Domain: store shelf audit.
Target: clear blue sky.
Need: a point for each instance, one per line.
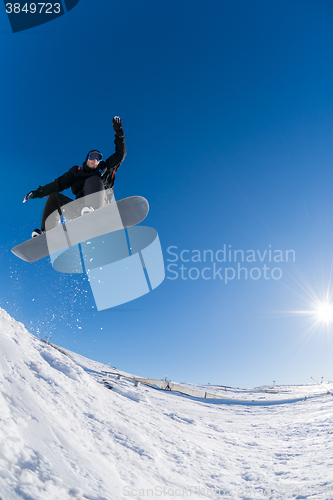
(227, 110)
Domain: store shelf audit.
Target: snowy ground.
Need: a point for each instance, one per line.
(65, 436)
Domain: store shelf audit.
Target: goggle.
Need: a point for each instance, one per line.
(94, 155)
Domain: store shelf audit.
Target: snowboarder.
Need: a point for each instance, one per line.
(93, 182)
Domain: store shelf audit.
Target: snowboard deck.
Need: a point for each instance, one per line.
(113, 217)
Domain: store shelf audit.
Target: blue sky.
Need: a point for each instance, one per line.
(227, 112)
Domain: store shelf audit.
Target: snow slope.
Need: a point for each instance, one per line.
(64, 435)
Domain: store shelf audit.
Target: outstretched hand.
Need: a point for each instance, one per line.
(37, 193)
(117, 125)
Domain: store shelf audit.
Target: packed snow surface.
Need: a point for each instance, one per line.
(65, 435)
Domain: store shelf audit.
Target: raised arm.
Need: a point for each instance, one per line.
(111, 164)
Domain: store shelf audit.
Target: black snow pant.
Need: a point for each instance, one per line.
(58, 204)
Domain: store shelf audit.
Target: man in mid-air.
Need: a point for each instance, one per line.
(92, 185)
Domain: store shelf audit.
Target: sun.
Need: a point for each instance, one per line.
(318, 314)
(317, 305)
(324, 312)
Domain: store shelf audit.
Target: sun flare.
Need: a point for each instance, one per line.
(324, 312)
(318, 314)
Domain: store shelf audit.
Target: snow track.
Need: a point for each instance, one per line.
(64, 435)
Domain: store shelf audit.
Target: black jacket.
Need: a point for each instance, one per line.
(77, 176)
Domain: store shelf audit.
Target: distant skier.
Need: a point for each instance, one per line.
(95, 177)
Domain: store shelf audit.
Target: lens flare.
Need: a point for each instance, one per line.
(318, 315)
(324, 312)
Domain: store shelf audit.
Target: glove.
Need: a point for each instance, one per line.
(38, 193)
(117, 125)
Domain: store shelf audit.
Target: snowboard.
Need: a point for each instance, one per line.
(113, 217)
